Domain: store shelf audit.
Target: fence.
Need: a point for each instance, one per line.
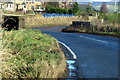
(56, 15)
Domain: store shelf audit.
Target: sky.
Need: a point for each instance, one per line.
(73, 0)
(97, 0)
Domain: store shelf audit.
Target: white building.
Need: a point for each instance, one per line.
(13, 5)
(9, 6)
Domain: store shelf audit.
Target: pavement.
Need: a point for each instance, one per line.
(97, 56)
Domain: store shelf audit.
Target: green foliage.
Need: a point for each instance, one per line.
(86, 10)
(112, 17)
(75, 8)
(51, 9)
(31, 50)
(101, 16)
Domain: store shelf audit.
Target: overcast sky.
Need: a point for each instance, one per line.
(70, 0)
(81, 0)
(97, 0)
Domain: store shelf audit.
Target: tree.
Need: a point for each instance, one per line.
(104, 8)
(75, 8)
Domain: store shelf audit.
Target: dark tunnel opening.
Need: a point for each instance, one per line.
(11, 23)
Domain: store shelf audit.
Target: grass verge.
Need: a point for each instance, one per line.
(102, 30)
(31, 54)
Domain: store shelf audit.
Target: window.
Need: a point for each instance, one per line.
(10, 5)
(24, 6)
(32, 7)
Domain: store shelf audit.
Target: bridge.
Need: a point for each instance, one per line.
(13, 21)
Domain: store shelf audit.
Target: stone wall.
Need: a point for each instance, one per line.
(82, 25)
(37, 20)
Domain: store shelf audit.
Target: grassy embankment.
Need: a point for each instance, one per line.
(108, 28)
(31, 54)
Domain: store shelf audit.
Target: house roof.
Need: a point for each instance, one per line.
(8, 3)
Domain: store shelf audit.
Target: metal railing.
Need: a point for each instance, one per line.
(57, 15)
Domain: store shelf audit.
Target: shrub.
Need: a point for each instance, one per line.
(111, 17)
(51, 9)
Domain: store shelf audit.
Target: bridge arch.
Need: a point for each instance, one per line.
(10, 23)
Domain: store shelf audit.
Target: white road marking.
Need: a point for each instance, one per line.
(73, 54)
(95, 39)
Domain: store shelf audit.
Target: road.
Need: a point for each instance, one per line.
(97, 56)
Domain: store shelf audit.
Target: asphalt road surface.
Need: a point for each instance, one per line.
(97, 56)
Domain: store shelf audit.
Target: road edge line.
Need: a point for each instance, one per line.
(73, 54)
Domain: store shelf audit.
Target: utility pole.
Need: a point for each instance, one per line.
(115, 9)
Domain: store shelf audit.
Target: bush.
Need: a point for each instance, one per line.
(51, 9)
(111, 17)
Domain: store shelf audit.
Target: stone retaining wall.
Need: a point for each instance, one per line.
(38, 20)
(32, 21)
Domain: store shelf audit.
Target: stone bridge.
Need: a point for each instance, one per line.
(13, 22)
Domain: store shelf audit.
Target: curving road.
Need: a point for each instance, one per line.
(97, 56)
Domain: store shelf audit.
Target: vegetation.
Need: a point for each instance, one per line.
(108, 17)
(111, 17)
(51, 9)
(108, 31)
(108, 27)
(86, 11)
(31, 54)
(104, 8)
(105, 28)
(75, 9)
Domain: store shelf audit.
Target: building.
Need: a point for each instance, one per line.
(9, 6)
(18, 5)
(66, 5)
(37, 5)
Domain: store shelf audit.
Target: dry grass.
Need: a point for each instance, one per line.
(38, 20)
(106, 28)
(39, 57)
